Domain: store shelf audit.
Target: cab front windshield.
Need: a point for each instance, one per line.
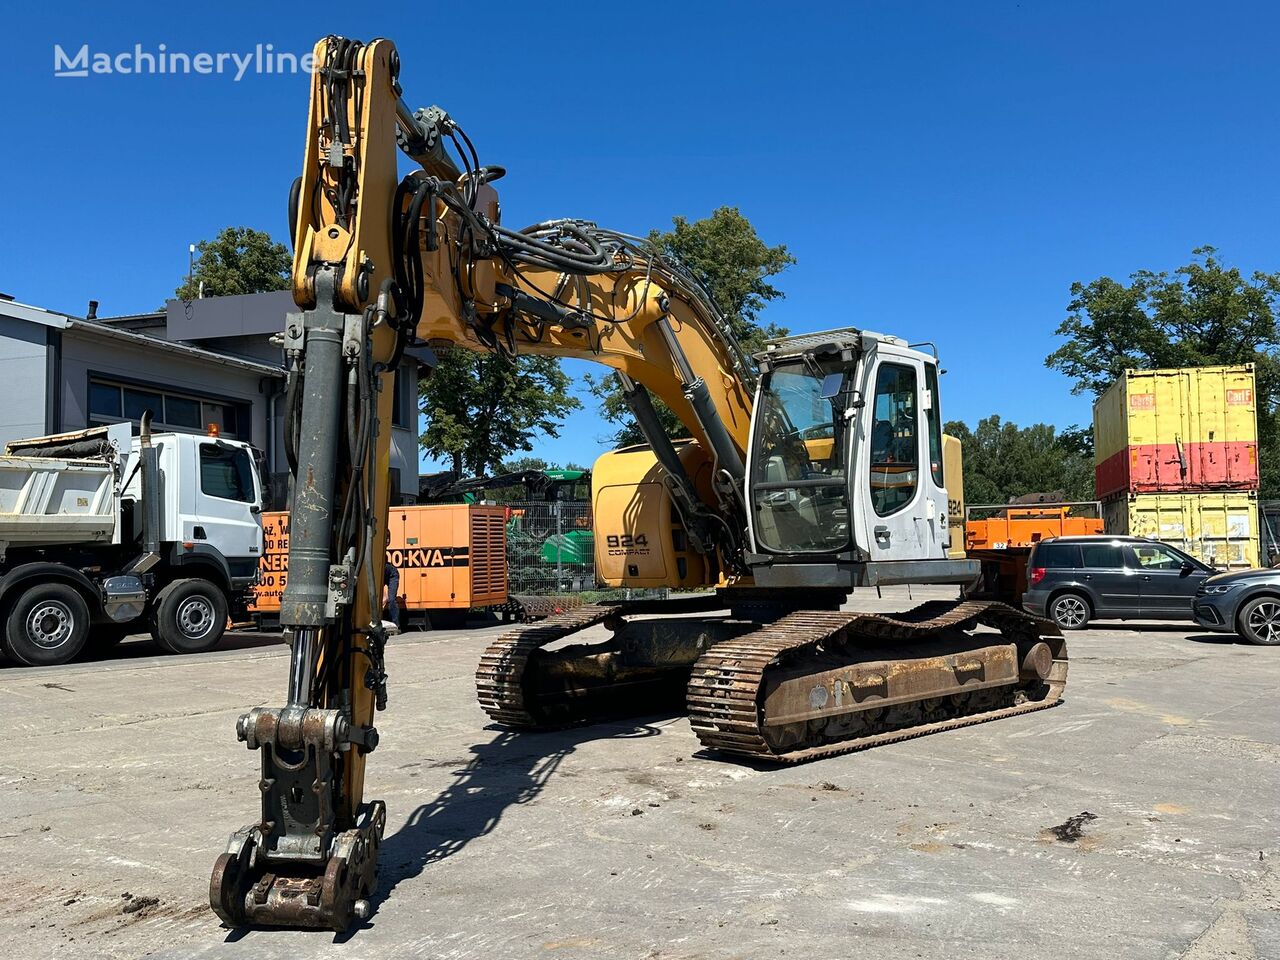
(800, 457)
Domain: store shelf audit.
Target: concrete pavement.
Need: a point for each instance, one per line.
(122, 779)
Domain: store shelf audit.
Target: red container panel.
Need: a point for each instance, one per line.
(1174, 468)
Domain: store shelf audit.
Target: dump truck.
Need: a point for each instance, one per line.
(103, 535)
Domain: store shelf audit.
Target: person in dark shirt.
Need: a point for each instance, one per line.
(391, 604)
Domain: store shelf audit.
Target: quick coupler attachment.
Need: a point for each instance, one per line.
(299, 867)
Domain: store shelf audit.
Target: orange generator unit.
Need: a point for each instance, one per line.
(452, 558)
(1004, 534)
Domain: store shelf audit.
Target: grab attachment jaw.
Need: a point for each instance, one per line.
(293, 868)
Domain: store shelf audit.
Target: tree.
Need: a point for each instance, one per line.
(537, 464)
(522, 465)
(1003, 460)
(1204, 313)
(482, 407)
(238, 260)
(727, 255)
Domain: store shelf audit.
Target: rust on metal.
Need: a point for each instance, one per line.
(500, 678)
(643, 666)
(248, 887)
(772, 693)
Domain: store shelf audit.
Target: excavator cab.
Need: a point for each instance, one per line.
(845, 475)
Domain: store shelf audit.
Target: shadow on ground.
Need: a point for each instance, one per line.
(1220, 639)
(510, 769)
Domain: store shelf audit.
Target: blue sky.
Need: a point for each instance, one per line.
(941, 171)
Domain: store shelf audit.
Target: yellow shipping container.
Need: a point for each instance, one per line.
(1218, 528)
(1193, 428)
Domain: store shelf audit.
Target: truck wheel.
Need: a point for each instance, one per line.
(47, 625)
(190, 616)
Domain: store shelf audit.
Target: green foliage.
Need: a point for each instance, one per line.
(1003, 460)
(1205, 313)
(482, 407)
(727, 255)
(613, 406)
(238, 260)
(521, 464)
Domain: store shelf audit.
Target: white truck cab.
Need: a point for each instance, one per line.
(103, 534)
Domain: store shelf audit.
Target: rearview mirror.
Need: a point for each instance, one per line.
(832, 384)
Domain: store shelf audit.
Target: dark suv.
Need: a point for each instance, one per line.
(1072, 580)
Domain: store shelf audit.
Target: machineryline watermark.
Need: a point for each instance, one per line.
(163, 62)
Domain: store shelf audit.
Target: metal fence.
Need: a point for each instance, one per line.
(550, 547)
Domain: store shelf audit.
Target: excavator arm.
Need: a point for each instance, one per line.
(385, 262)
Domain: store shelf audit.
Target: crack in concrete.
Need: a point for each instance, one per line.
(1228, 935)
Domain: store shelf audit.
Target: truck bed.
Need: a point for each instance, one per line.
(46, 501)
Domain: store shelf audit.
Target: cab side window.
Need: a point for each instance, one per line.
(935, 425)
(895, 439)
(226, 473)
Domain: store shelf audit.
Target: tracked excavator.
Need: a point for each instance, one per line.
(811, 468)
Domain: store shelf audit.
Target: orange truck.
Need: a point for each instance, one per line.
(1001, 537)
(451, 557)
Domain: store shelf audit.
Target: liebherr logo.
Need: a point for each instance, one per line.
(262, 59)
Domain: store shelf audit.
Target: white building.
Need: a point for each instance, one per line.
(193, 364)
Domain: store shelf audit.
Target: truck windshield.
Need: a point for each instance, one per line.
(226, 472)
(799, 487)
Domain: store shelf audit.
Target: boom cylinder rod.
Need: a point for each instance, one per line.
(305, 600)
(422, 142)
(302, 666)
(699, 397)
(404, 117)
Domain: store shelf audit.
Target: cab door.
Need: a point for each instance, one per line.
(228, 500)
(903, 502)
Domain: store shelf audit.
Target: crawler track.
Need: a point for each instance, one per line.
(732, 682)
(642, 668)
(504, 667)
